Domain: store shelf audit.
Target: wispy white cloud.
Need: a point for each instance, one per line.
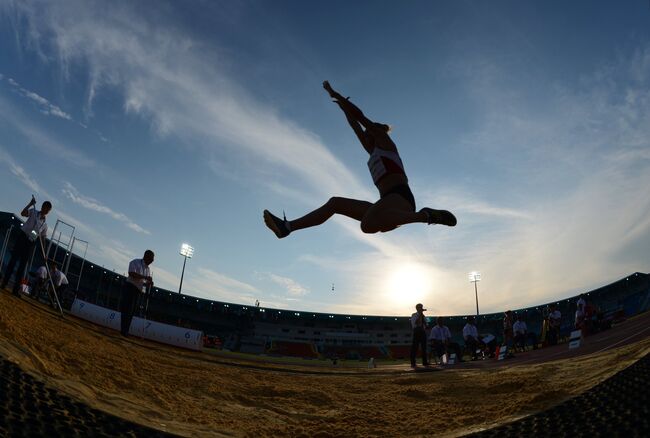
(167, 79)
(109, 252)
(44, 142)
(466, 203)
(291, 286)
(48, 108)
(19, 172)
(208, 283)
(73, 194)
(22, 174)
(45, 106)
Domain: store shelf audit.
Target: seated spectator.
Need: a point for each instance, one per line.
(581, 316)
(554, 322)
(579, 321)
(440, 338)
(39, 283)
(582, 303)
(470, 334)
(60, 281)
(520, 331)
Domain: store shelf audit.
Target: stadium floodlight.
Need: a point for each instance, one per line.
(475, 277)
(187, 252)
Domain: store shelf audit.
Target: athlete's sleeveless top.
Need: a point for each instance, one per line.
(383, 162)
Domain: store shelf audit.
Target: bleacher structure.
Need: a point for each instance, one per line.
(259, 330)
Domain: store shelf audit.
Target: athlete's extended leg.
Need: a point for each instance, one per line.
(442, 217)
(352, 208)
(393, 210)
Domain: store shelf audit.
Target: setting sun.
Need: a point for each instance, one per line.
(409, 283)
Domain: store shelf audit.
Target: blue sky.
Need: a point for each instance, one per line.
(149, 124)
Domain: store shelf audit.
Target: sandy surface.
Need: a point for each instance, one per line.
(199, 394)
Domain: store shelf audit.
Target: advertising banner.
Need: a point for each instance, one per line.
(151, 330)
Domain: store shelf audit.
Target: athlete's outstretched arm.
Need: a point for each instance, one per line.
(361, 134)
(351, 110)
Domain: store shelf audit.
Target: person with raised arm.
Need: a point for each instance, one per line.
(396, 204)
(33, 228)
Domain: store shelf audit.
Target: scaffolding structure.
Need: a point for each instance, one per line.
(83, 260)
(5, 243)
(63, 240)
(60, 251)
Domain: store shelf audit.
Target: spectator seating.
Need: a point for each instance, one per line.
(353, 352)
(252, 345)
(295, 349)
(399, 351)
(370, 351)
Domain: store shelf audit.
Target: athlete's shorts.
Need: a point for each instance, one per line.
(404, 191)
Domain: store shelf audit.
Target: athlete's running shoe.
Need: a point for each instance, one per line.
(443, 217)
(279, 226)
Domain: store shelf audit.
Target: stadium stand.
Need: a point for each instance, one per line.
(252, 345)
(295, 349)
(353, 352)
(399, 351)
(260, 330)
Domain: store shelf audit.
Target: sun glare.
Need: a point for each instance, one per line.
(409, 284)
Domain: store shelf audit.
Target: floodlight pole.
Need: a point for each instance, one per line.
(186, 251)
(475, 277)
(182, 274)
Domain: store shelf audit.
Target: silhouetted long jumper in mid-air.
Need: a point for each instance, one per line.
(396, 204)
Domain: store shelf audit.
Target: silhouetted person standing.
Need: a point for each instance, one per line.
(554, 322)
(419, 324)
(136, 284)
(470, 334)
(34, 227)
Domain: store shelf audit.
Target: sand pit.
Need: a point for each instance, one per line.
(199, 394)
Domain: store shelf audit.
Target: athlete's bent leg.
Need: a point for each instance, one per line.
(393, 210)
(352, 208)
(389, 213)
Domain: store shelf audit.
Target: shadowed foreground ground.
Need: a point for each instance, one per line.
(190, 393)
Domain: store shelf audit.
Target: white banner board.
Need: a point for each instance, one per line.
(449, 359)
(574, 340)
(151, 330)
